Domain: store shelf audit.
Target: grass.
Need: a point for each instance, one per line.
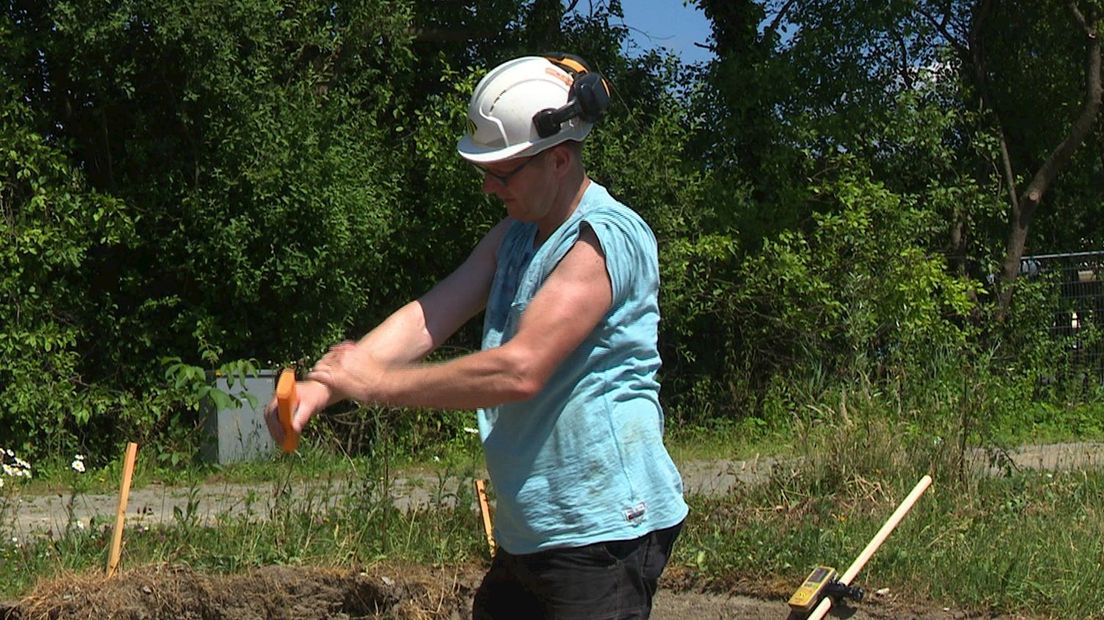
(317, 456)
(1031, 543)
(303, 525)
(1051, 423)
(736, 441)
(1025, 542)
(1018, 542)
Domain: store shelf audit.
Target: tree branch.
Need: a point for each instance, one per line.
(781, 15)
(452, 35)
(906, 75)
(940, 26)
(981, 76)
(1059, 157)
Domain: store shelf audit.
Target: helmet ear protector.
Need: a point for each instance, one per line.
(588, 98)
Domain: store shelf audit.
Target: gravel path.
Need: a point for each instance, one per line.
(156, 504)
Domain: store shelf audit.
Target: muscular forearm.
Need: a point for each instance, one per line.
(482, 379)
(401, 338)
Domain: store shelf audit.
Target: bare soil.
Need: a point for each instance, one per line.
(383, 591)
(390, 591)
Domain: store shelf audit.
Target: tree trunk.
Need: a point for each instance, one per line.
(1023, 210)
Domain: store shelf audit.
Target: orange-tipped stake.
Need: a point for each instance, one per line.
(287, 401)
(485, 511)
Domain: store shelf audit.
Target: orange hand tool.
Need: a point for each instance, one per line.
(287, 402)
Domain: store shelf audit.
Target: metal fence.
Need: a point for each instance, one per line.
(1077, 308)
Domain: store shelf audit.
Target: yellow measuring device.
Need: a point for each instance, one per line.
(812, 590)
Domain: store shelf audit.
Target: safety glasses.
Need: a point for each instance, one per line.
(505, 178)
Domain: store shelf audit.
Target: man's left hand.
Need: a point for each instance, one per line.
(349, 371)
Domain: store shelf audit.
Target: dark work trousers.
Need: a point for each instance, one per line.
(603, 581)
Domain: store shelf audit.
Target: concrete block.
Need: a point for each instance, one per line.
(238, 433)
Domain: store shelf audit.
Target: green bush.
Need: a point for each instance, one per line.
(52, 224)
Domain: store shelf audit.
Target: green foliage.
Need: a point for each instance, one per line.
(236, 195)
(254, 181)
(264, 190)
(447, 210)
(52, 224)
(1058, 363)
(859, 295)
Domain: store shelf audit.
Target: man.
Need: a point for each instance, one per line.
(588, 500)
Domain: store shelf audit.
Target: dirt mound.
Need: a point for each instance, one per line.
(407, 592)
(300, 593)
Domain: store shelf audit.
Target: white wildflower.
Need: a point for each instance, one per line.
(78, 466)
(473, 431)
(12, 466)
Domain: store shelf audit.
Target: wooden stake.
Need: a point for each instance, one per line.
(485, 510)
(120, 515)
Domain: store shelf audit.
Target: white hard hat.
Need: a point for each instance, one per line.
(507, 101)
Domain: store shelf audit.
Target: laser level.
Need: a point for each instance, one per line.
(820, 583)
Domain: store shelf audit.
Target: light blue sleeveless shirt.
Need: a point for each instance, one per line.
(583, 461)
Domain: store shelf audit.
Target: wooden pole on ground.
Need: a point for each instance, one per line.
(485, 511)
(120, 514)
(891, 524)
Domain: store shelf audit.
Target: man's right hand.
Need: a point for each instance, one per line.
(313, 398)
